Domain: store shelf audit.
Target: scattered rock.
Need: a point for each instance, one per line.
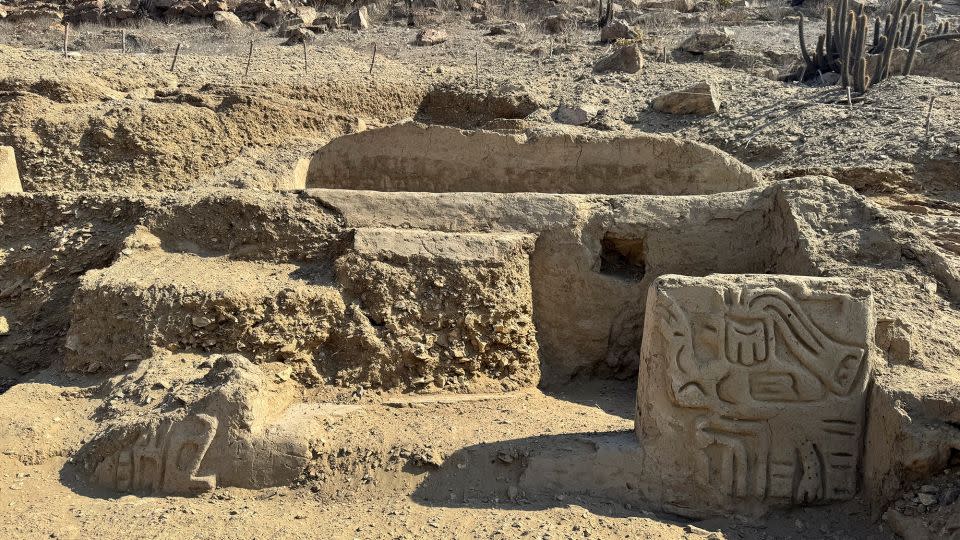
(227, 22)
(300, 35)
(359, 19)
(617, 30)
(683, 6)
(707, 40)
(468, 107)
(603, 121)
(556, 24)
(430, 36)
(508, 27)
(9, 176)
(86, 11)
(427, 458)
(574, 116)
(39, 16)
(626, 59)
(700, 99)
(4, 326)
(939, 59)
(893, 336)
(949, 496)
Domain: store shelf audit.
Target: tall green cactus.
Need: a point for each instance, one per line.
(842, 48)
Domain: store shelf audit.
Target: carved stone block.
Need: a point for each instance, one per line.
(751, 391)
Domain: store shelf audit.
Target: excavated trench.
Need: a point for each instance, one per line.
(418, 258)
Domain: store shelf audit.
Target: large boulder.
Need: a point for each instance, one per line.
(701, 99)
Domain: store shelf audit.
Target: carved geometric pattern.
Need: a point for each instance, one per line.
(752, 390)
(164, 458)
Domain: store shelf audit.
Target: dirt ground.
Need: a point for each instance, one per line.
(368, 494)
(433, 464)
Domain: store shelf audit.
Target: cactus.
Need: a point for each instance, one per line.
(913, 50)
(842, 47)
(605, 15)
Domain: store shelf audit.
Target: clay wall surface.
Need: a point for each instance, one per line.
(415, 157)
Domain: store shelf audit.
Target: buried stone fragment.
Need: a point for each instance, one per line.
(752, 391)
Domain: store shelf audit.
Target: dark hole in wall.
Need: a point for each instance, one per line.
(623, 257)
(954, 458)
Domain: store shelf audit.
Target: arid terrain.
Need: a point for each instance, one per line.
(546, 269)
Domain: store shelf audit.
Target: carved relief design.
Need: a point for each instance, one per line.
(164, 458)
(775, 402)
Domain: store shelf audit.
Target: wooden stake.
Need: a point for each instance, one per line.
(305, 57)
(929, 112)
(849, 99)
(123, 41)
(176, 54)
(374, 59)
(66, 37)
(477, 62)
(246, 70)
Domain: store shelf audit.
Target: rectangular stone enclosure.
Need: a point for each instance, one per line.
(751, 392)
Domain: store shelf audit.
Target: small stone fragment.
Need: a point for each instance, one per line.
(359, 19)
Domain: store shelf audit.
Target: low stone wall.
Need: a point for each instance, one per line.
(415, 157)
